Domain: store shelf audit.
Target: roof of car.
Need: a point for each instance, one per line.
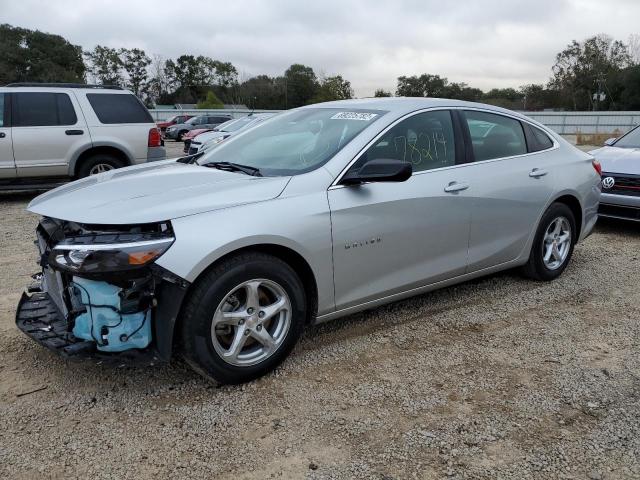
(403, 105)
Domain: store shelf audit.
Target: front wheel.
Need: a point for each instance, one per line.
(553, 244)
(243, 318)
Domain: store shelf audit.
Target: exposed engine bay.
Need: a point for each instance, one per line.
(98, 292)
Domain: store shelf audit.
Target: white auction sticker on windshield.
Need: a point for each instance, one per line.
(365, 117)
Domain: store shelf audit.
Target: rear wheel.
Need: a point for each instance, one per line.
(243, 318)
(98, 164)
(553, 244)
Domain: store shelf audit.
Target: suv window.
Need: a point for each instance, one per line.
(495, 136)
(2, 109)
(42, 109)
(118, 108)
(426, 140)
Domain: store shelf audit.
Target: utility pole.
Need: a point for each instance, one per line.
(599, 95)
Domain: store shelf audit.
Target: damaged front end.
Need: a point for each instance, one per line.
(100, 294)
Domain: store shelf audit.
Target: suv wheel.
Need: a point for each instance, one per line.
(553, 245)
(99, 164)
(243, 318)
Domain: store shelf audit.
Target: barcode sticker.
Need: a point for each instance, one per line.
(365, 117)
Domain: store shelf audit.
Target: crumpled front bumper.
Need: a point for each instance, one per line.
(39, 318)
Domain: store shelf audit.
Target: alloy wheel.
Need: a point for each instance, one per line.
(251, 322)
(556, 243)
(100, 168)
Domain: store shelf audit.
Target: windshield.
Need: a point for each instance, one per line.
(193, 121)
(294, 142)
(630, 140)
(235, 124)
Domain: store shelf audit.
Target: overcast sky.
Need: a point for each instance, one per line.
(488, 43)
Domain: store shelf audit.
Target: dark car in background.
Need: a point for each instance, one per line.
(620, 160)
(173, 121)
(177, 131)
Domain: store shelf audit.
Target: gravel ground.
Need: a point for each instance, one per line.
(496, 378)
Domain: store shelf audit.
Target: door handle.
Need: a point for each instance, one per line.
(456, 187)
(2, 134)
(537, 173)
(74, 132)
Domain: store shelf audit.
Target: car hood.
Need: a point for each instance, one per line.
(618, 160)
(205, 137)
(153, 192)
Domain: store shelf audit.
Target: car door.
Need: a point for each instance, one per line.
(45, 129)
(511, 186)
(392, 237)
(7, 163)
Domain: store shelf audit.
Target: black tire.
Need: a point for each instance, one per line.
(180, 135)
(89, 164)
(196, 342)
(536, 267)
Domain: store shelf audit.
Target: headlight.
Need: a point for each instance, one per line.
(171, 129)
(102, 255)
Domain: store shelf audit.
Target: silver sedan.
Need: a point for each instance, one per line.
(314, 214)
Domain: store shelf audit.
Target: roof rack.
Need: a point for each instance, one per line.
(64, 85)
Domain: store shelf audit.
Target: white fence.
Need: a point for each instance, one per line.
(572, 123)
(565, 123)
(159, 115)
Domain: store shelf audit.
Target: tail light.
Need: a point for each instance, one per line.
(155, 139)
(597, 166)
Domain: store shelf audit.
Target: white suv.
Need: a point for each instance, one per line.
(50, 132)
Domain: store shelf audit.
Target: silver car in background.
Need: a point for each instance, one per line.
(620, 160)
(320, 212)
(208, 140)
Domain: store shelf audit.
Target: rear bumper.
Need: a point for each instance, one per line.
(156, 153)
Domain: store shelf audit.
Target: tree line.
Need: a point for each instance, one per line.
(599, 73)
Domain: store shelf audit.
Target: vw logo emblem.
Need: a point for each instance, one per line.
(608, 183)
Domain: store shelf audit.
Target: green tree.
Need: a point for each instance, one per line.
(136, 63)
(301, 85)
(34, 56)
(582, 68)
(105, 65)
(425, 85)
(211, 101)
(333, 88)
(382, 93)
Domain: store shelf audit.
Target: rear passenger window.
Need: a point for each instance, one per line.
(537, 139)
(495, 136)
(426, 140)
(1, 109)
(118, 108)
(35, 109)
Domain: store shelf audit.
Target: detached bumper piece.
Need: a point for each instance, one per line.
(39, 318)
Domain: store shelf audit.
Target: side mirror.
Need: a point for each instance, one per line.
(610, 141)
(379, 170)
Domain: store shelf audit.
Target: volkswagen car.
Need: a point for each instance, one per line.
(620, 160)
(322, 211)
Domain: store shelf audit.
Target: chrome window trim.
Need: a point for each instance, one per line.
(336, 183)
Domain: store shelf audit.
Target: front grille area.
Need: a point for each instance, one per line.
(617, 211)
(624, 184)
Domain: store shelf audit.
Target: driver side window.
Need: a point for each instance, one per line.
(425, 140)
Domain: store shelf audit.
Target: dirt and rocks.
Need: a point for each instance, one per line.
(496, 378)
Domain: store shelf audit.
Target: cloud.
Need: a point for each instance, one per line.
(493, 43)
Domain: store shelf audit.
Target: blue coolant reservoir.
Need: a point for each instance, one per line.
(102, 321)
